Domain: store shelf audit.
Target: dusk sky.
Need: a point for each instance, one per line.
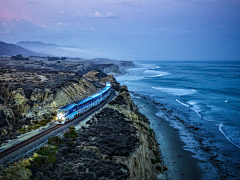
(128, 30)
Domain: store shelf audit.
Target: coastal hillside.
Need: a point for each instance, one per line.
(30, 99)
(99, 76)
(115, 143)
(12, 49)
(76, 65)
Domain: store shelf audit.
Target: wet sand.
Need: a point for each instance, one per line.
(181, 163)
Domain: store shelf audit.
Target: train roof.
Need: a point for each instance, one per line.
(67, 107)
(104, 90)
(95, 95)
(83, 100)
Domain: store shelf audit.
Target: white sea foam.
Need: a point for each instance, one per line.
(195, 107)
(157, 67)
(161, 74)
(182, 103)
(153, 73)
(160, 114)
(175, 91)
(232, 134)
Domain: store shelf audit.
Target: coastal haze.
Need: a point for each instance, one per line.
(130, 30)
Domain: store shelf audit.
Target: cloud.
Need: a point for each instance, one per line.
(77, 14)
(128, 5)
(58, 24)
(98, 15)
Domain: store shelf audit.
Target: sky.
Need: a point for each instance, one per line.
(128, 30)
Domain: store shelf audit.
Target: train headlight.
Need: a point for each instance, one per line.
(63, 118)
(56, 118)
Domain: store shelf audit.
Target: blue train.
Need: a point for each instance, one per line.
(71, 111)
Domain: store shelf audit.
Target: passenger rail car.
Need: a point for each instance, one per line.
(71, 111)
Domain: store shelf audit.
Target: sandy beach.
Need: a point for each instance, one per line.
(181, 164)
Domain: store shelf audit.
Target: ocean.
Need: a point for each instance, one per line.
(199, 99)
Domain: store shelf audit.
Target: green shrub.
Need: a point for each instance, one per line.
(70, 143)
(155, 153)
(158, 159)
(22, 130)
(51, 159)
(43, 123)
(153, 161)
(45, 155)
(71, 133)
(55, 140)
(17, 171)
(47, 151)
(160, 168)
(36, 126)
(151, 132)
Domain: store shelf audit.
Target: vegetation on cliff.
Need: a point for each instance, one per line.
(30, 99)
(116, 143)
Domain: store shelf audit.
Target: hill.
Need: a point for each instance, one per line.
(12, 49)
(52, 49)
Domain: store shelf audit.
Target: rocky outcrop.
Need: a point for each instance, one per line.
(143, 161)
(28, 98)
(106, 68)
(99, 76)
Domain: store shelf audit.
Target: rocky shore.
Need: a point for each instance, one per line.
(116, 143)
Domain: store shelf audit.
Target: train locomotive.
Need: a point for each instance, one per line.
(71, 111)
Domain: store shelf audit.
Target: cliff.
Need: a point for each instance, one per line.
(115, 143)
(99, 76)
(30, 99)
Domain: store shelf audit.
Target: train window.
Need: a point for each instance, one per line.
(61, 112)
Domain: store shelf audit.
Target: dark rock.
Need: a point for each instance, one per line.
(1, 100)
(3, 121)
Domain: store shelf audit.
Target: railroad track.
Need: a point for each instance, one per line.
(16, 148)
(28, 141)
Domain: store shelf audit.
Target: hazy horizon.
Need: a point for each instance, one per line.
(189, 30)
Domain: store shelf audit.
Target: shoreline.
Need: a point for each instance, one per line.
(215, 156)
(180, 162)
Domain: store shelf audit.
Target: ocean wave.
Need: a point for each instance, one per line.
(153, 73)
(195, 107)
(231, 133)
(159, 75)
(175, 91)
(182, 103)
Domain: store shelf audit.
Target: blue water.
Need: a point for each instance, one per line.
(201, 99)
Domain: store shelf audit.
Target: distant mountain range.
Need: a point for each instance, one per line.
(12, 49)
(37, 48)
(52, 49)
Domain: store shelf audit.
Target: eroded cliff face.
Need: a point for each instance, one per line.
(142, 161)
(28, 98)
(99, 76)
